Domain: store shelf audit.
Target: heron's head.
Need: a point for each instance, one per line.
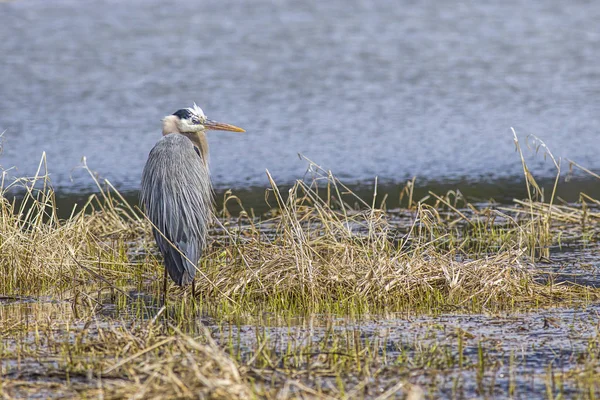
(192, 120)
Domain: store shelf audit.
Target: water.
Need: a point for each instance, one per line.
(363, 88)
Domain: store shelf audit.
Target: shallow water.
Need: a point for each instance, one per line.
(536, 340)
(363, 88)
(518, 348)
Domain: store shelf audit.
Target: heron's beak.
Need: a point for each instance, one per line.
(219, 126)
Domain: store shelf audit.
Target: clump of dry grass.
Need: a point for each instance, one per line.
(90, 357)
(41, 254)
(167, 366)
(323, 252)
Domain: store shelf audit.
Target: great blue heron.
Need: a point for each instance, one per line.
(176, 191)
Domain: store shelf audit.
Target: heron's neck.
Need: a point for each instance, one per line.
(199, 140)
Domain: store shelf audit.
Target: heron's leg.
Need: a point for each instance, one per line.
(165, 288)
(194, 288)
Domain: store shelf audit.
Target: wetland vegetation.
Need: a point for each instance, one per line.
(327, 295)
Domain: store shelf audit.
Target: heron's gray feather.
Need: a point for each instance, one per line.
(177, 195)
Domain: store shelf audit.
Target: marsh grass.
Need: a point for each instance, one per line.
(41, 255)
(321, 249)
(135, 358)
(315, 252)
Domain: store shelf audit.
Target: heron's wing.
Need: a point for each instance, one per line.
(177, 196)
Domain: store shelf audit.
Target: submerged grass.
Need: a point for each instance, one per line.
(321, 249)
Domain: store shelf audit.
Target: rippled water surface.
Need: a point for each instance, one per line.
(393, 89)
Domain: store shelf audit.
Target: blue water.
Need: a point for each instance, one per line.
(388, 89)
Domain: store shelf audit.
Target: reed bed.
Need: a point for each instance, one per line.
(313, 252)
